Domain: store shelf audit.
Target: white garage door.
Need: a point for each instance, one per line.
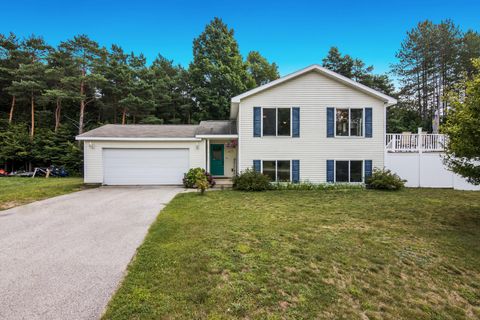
(144, 166)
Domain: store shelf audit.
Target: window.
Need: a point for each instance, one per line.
(283, 122)
(270, 170)
(276, 121)
(349, 122)
(269, 121)
(278, 170)
(349, 171)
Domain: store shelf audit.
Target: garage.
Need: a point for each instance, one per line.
(153, 166)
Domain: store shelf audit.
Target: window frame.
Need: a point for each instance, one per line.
(349, 173)
(276, 124)
(349, 122)
(276, 169)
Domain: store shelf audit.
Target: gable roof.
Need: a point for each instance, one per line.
(328, 73)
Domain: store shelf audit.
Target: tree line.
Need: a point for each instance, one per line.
(49, 94)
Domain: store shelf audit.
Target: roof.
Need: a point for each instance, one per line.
(217, 127)
(135, 131)
(161, 132)
(333, 75)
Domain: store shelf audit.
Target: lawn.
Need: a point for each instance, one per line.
(16, 191)
(355, 254)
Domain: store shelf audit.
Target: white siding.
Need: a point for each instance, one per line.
(313, 93)
(93, 155)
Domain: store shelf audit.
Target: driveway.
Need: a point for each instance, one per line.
(64, 257)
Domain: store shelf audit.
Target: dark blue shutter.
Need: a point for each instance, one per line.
(330, 122)
(368, 122)
(368, 169)
(256, 165)
(330, 171)
(257, 121)
(295, 171)
(295, 122)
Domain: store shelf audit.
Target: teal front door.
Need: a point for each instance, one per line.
(216, 159)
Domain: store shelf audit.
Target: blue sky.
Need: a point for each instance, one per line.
(294, 34)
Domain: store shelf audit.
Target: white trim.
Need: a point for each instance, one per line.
(349, 121)
(315, 67)
(79, 138)
(218, 136)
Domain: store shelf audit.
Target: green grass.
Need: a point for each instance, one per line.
(15, 191)
(352, 254)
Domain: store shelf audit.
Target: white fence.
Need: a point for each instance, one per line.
(418, 158)
(407, 142)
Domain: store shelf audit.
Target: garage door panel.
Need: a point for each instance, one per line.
(144, 166)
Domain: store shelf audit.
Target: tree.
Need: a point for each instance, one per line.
(428, 67)
(260, 69)
(463, 128)
(470, 49)
(217, 72)
(30, 76)
(11, 56)
(356, 70)
(60, 69)
(87, 57)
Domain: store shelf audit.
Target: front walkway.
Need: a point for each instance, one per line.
(63, 258)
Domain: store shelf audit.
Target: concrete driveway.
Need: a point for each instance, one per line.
(64, 257)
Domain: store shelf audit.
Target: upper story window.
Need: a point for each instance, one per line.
(349, 122)
(276, 121)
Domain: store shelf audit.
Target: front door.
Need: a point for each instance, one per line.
(216, 159)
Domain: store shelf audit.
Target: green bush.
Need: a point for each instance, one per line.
(251, 180)
(384, 180)
(306, 185)
(190, 178)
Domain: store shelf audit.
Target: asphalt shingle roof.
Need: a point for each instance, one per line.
(214, 127)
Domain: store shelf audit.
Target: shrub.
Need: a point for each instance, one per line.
(251, 180)
(201, 182)
(190, 178)
(384, 180)
(306, 185)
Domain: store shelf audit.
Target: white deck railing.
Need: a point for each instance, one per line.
(406, 142)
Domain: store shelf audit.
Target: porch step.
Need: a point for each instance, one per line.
(223, 183)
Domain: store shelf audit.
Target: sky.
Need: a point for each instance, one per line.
(294, 33)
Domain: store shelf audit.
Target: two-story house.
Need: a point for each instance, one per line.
(312, 125)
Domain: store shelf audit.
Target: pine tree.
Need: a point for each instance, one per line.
(217, 72)
(87, 57)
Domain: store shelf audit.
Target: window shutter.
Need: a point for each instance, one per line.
(256, 165)
(330, 122)
(330, 171)
(295, 171)
(368, 122)
(295, 122)
(368, 169)
(257, 121)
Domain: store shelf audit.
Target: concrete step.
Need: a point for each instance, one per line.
(223, 183)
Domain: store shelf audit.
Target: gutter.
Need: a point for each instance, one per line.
(80, 138)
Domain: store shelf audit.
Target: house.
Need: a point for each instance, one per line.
(313, 125)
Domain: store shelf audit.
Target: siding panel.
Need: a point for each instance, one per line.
(313, 93)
